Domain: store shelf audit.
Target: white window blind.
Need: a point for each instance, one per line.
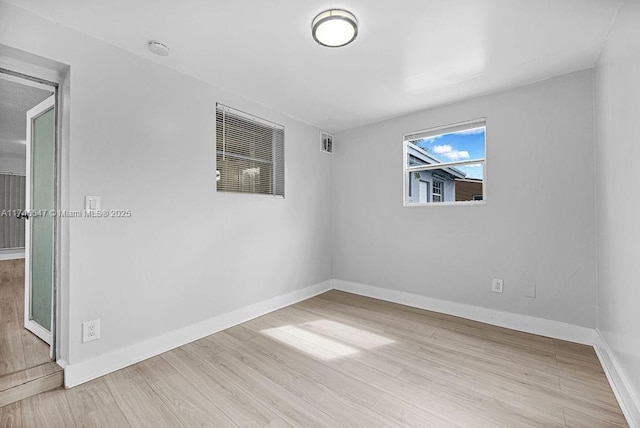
(249, 153)
(12, 200)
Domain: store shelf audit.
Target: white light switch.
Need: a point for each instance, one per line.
(91, 203)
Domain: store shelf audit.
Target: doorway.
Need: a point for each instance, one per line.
(28, 203)
(423, 191)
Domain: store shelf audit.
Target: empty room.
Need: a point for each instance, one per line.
(308, 213)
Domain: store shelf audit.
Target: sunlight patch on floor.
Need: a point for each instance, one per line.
(328, 340)
(310, 343)
(347, 334)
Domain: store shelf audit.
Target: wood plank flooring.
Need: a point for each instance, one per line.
(30, 382)
(19, 348)
(342, 360)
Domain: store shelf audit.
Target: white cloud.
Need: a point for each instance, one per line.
(431, 140)
(446, 148)
(455, 155)
(447, 151)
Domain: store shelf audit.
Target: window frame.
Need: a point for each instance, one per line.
(429, 190)
(435, 131)
(277, 162)
(440, 194)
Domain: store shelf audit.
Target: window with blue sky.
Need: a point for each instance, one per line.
(449, 159)
(458, 146)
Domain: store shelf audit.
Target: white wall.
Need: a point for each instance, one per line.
(143, 138)
(537, 226)
(13, 163)
(17, 165)
(618, 189)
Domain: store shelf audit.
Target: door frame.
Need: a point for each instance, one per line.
(29, 324)
(427, 184)
(37, 71)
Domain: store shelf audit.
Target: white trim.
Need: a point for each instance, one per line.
(22, 62)
(443, 204)
(78, 373)
(451, 128)
(442, 165)
(39, 331)
(248, 116)
(26, 82)
(620, 383)
(11, 254)
(84, 371)
(405, 177)
(49, 71)
(35, 112)
(524, 323)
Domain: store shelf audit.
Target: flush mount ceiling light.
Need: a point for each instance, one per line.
(158, 48)
(334, 28)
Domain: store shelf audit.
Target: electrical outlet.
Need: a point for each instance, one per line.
(90, 330)
(497, 285)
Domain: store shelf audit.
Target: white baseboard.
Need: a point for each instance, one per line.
(525, 323)
(11, 254)
(75, 374)
(629, 402)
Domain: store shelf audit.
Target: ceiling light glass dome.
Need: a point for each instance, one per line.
(334, 28)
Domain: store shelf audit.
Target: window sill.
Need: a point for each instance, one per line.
(445, 204)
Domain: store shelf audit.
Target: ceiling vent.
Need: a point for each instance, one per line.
(327, 142)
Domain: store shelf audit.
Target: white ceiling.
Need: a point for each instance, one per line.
(409, 54)
(15, 100)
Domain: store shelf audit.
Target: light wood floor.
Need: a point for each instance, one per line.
(19, 348)
(343, 360)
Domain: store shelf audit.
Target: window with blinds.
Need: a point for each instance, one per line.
(12, 201)
(452, 158)
(249, 153)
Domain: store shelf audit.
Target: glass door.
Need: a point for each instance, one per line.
(40, 217)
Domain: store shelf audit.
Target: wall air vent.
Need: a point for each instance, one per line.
(327, 142)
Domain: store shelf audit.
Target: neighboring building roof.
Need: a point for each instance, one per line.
(421, 154)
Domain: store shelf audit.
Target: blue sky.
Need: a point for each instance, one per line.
(459, 146)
